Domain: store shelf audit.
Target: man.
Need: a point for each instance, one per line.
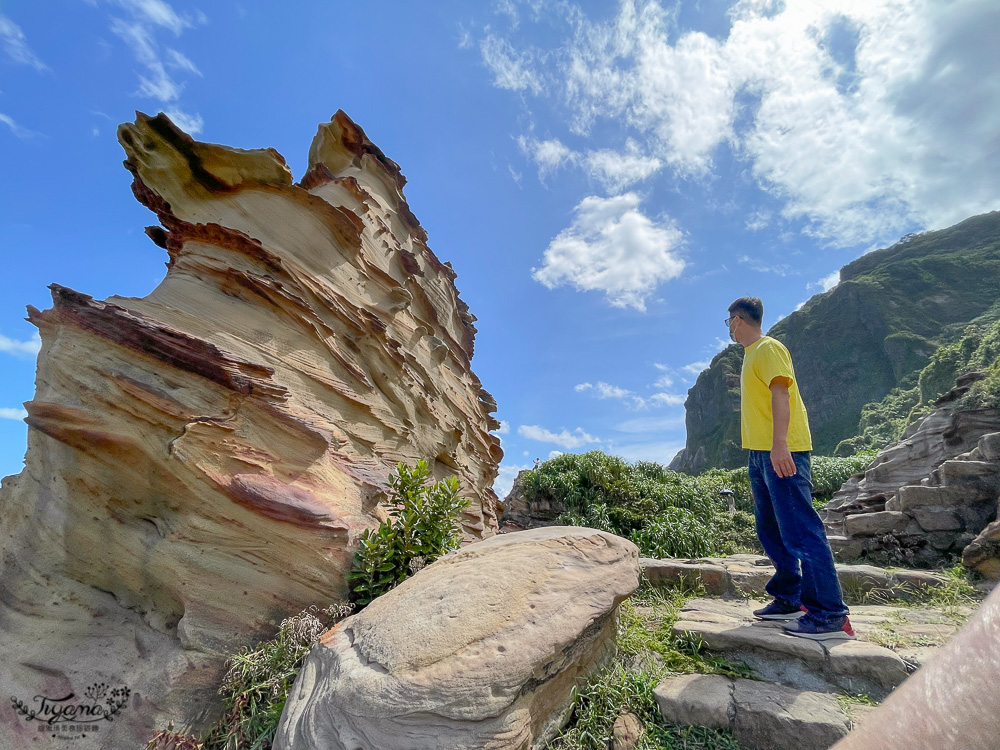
(775, 429)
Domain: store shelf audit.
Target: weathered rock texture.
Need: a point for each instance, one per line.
(479, 650)
(201, 460)
(926, 498)
(520, 512)
(761, 715)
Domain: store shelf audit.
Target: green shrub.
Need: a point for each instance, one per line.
(665, 513)
(422, 526)
(830, 472)
(676, 532)
(256, 686)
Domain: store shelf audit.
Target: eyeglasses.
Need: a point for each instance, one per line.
(730, 320)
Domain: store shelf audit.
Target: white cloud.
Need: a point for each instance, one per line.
(161, 67)
(504, 428)
(15, 128)
(779, 269)
(613, 247)
(6, 413)
(603, 390)
(664, 381)
(15, 44)
(27, 349)
(191, 124)
(825, 284)
(565, 439)
(555, 454)
(505, 478)
(157, 13)
(464, 38)
(666, 399)
(511, 69)
(696, 367)
(862, 118)
(614, 170)
(758, 220)
(181, 62)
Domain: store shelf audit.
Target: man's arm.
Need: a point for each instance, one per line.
(781, 412)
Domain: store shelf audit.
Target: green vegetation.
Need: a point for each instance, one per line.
(665, 513)
(422, 526)
(884, 422)
(256, 686)
(627, 686)
(861, 349)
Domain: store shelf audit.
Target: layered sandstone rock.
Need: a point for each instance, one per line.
(479, 650)
(925, 498)
(200, 461)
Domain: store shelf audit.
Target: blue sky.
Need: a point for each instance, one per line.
(605, 178)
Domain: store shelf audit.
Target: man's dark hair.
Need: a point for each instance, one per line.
(751, 309)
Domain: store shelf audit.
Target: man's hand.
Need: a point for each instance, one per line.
(782, 461)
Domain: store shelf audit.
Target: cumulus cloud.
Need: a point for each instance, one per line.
(861, 118)
(7, 413)
(25, 349)
(504, 428)
(564, 439)
(14, 43)
(612, 247)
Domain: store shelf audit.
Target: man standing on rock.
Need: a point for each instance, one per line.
(775, 429)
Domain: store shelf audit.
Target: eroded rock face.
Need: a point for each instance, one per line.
(479, 650)
(200, 461)
(924, 499)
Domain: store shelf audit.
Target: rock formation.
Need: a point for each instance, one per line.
(925, 498)
(201, 461)
(479, 650)
(519, 512)
(851, 345)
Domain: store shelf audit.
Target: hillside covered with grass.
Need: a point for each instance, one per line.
(865, 344)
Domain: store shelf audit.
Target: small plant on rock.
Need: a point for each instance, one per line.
(256, 686)
(422, 526)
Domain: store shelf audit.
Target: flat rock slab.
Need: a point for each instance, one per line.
(478, 651)
(761, 715)
(728, 628)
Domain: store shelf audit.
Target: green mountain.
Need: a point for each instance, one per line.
(866, 339)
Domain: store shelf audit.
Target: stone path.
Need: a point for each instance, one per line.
(746, 575)
(793, 703)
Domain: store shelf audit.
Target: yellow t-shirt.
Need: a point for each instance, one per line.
(763, 361)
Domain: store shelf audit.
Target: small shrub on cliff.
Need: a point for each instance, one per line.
(422, 526)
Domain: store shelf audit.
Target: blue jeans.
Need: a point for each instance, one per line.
(793, 536)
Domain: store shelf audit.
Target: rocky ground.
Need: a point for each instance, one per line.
(801, 694)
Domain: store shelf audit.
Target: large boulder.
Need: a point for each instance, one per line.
(479, 650)
(202, 460)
